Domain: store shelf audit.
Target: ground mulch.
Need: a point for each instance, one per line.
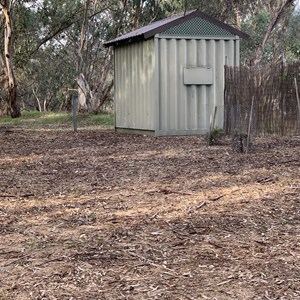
(98, 215)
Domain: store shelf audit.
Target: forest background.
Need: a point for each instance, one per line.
(51, 49)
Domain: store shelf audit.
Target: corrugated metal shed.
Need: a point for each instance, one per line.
(169, 75)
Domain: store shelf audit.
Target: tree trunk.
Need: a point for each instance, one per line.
(37, 99)
(86, 97)
(13, 107)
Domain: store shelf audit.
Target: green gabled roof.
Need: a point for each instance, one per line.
(194, 23)
(198, 27)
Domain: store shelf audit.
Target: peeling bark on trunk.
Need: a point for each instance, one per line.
(92, 90)
(86, 98)
(84, 93)
(105, 95)
(13, 107)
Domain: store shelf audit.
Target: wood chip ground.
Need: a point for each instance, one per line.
(96, 215)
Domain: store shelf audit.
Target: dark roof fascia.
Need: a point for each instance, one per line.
(175, 22)
(128, 41)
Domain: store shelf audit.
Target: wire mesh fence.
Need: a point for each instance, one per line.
(262, 100)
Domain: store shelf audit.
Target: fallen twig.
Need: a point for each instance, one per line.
(170, 274)
(198, 206)
(217, 198)
(7, 196)
(265, 180)
(144, 259)
(15, 196)
(27, 195)
(225, 282)
(165, 191)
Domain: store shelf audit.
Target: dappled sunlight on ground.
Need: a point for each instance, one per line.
(95, 215)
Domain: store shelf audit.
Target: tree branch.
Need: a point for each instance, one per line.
(275, 18)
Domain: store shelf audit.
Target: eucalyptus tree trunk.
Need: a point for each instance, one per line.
(93, 89)
(8, 46)
(86, 97)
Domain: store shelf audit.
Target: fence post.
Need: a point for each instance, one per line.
(74, 108)
(212, 124)
(249, 126)
(298, 102)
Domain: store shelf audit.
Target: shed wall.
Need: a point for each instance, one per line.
(134, 86)
(186, 109)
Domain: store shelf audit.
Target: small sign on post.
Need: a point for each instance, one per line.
(74, 108)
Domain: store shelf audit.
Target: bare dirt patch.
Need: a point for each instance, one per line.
(95, 215)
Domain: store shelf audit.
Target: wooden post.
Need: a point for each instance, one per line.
(249, 126)
(212, 124)
(74, 107)
(214, 118)
(298, 101)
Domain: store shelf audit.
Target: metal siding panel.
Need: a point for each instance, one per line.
(172, 77)
(149, 83)
(201, 53)
(136, 92)
(237, 53)
(191, 118)
(229, 53)
(211, 90)
(182, 107)
(202, 107)
(191, 100)
(163, 96)
(219, 85)
(202, 90)
(134, 87)
(120, 67)
(127, 101)
(192, 104)
(186, 104)
(156, 103)
(132, 91)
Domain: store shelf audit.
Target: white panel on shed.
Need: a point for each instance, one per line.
(198, 76)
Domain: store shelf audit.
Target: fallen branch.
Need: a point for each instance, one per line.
(170, 274)
(15, 196)
(143, 259)
(217, 198)
(166, 192)
(198, 206)
(283, 162)
(27, 195)
(224, 282)
(265, 180)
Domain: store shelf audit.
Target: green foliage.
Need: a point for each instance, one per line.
(47, 38)
(215, 136)
(255, 27)
(292, 40)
